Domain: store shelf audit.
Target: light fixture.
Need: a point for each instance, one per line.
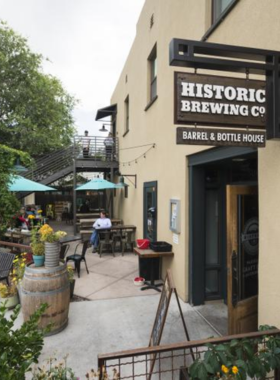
(125, 185)
(103, 129)
(121, 183)
(19, 168)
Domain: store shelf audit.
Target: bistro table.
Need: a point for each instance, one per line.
(18, 236)
(153, 258)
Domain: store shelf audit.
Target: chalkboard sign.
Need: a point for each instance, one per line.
(162, 310)
(167, 290)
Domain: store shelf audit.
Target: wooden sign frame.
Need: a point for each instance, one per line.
(224, 117)
(162, 311)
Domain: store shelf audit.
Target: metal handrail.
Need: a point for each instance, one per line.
(179, 354)
(96, 148)
(50, 164)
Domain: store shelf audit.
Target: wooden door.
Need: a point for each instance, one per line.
(242, 258)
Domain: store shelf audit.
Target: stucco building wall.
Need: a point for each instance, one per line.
(251, 23)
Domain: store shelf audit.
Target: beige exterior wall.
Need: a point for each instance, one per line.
(167, 163)
(252, 23)
(256, 24)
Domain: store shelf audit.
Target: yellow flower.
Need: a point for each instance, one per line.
(225, 369)
(15, 260)
(31, 217)
(40, 211)
(234, 370)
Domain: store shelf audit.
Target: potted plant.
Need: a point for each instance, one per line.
(51, 243)
(71, 279)
(8, 295)
(38, 248)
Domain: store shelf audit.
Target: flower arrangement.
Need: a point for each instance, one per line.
(31, 218)
(47, 234)
(38, 248)
(7, 291)
(54, 370)
(70, 272)
(19, 267)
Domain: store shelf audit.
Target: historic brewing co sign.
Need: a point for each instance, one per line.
(220, 101)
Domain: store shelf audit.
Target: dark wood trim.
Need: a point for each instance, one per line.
(15, 245)
(150, 103)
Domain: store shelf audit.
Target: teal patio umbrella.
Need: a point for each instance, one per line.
(97, 184)
(22, 184)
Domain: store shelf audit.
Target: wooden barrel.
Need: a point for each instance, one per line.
(46, 285)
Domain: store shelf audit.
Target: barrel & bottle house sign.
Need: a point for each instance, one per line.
(221, 101)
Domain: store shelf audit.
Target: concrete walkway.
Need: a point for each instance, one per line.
(116, 316)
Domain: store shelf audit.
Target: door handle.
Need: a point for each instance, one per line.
(234, 278)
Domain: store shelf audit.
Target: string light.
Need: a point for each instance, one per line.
(143, 155)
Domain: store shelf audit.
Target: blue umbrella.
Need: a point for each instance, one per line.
(97, 184)
(19, 183)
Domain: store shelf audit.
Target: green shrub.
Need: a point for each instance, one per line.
(239, 359)
(19, 347)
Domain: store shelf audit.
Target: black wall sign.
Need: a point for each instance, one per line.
(219, 137)
(213, 100)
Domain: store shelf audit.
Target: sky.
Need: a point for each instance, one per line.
(86, 41)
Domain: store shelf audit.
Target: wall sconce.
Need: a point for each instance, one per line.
(123, 184)
(103, 129)
(19, 168)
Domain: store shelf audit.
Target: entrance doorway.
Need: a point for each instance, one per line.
(223, 230)
(242, 258)
(150, 210)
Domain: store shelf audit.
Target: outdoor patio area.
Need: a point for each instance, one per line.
(109, 313)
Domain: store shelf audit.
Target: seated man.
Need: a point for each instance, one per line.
(101, 223)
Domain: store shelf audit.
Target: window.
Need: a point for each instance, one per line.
(126, 115)
(153, 73)
(218, 7)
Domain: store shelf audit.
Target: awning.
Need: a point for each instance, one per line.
(107, 111)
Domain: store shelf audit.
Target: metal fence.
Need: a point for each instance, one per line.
(96, 148)
(169, 362)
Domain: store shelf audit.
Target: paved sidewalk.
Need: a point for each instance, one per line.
(118, 316)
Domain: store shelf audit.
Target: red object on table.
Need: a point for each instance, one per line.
(143, 243)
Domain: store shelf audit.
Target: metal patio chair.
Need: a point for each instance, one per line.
(6, 263)
(78, 258)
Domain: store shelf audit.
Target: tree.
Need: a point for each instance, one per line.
(35, 110)
(9, 204)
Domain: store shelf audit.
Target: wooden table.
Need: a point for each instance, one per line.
(121, 227)
(154, 256)
(87, 223)
(18, 236)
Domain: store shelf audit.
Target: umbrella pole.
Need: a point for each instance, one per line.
(112, 191)
(74, 199)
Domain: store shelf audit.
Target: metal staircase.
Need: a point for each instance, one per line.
(63, 162)
(52, 167)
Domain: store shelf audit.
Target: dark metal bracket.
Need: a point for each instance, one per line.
(211, 56)
(131, 175)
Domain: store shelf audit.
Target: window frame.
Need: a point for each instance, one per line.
(223, 15)
(152, 77)
(126, 116)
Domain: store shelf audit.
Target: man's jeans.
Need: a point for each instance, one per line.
(94, 239)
